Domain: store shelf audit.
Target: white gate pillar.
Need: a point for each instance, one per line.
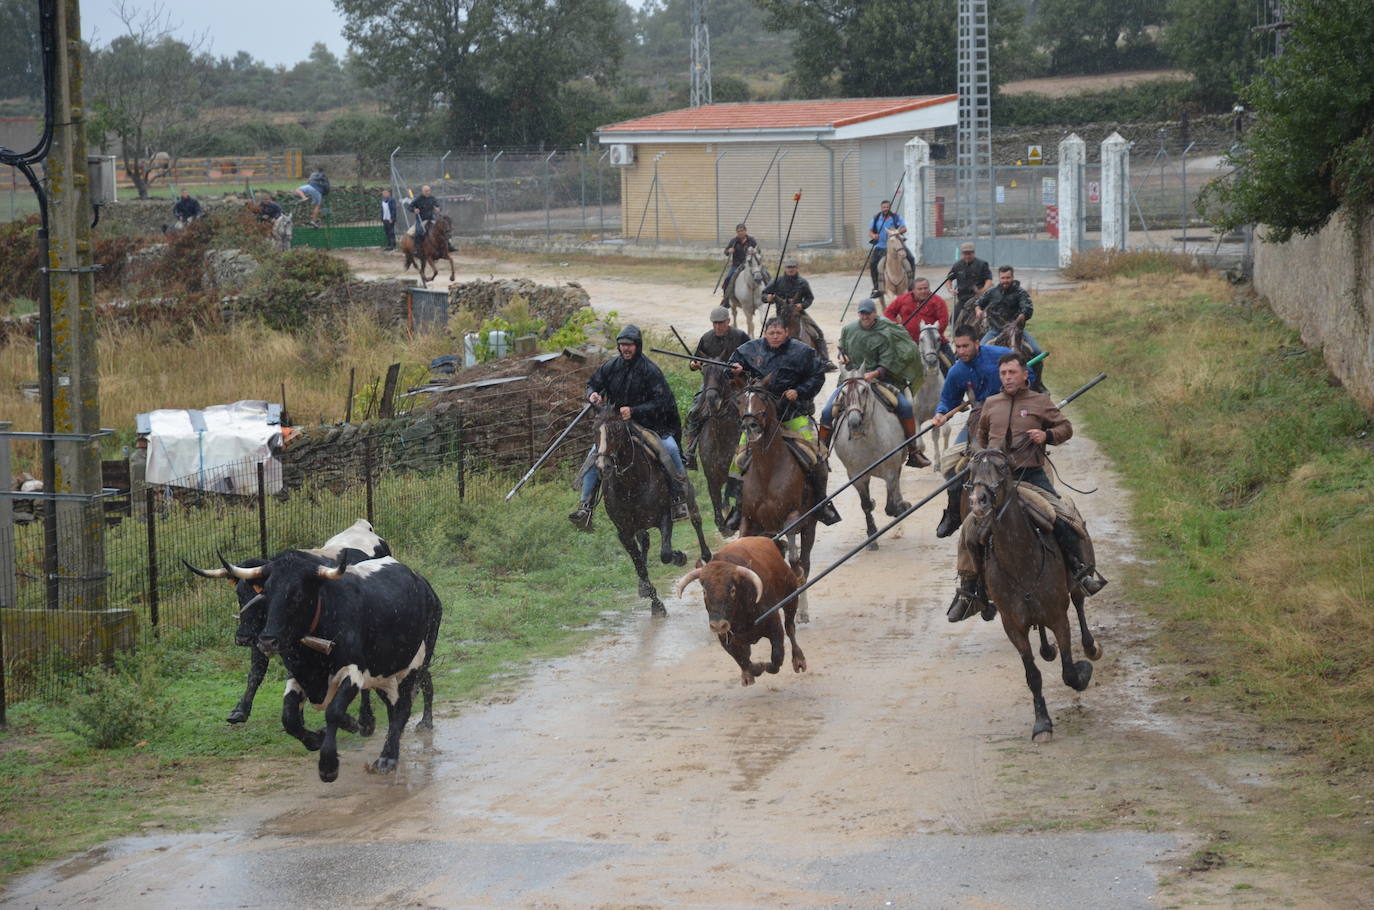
(916, 202)
(1072, 156)
(1116, 191)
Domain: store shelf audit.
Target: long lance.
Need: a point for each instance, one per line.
(796, 201)
(872, 248)
(680, 341)
(714, 363)
(549, 451)
(857, 477)
(892, 524)
(927, 300)
(745, 219)
(868, 540)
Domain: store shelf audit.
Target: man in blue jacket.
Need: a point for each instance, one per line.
(974, 372)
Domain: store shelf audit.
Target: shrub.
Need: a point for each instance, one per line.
(114, 707)
(284, 289)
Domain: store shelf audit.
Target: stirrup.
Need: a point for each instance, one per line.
(964, 605)
(1089, 579)
(828, 514)
(581, 517)
(915, 458)
(689, 460)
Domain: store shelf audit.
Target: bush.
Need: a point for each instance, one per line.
(114, 707)
(1163, 99)
(284, 289)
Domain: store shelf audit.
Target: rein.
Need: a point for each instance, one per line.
(861, 409)
(759, 416)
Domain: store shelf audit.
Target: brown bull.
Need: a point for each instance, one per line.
(743, 579)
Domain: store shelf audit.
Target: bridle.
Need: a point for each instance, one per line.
(993, 489)
(854, 387)
(606, 460)
(931, 358)
(752, 420)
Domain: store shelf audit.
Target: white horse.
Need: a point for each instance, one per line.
(897, 270)
(864, 430)
(745, 291)
(927, 396)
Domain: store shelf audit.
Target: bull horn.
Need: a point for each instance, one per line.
(206, 573)
(253, 602)
(755, 580)
(336, 572)
(240, 572)
(687, 580)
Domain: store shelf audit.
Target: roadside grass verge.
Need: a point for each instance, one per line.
(1254, 496)
(516, 583)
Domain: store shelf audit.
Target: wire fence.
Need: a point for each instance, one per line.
(468, 457)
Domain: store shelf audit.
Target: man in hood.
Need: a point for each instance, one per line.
(636, 386)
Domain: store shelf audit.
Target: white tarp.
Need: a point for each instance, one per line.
(216, 448)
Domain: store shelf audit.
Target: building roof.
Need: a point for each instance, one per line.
(834, 118)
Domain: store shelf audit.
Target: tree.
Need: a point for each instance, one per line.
(144, 89)
(1310, 149)
(1214, 40)
(1096, 36)
(881, 47)
(21, 66)
(497, 70)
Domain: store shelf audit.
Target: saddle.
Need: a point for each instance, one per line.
(887, 393)
(1044, 509)
(806, 451)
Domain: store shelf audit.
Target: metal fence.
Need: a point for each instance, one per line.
(472, 458)
(1164, 194)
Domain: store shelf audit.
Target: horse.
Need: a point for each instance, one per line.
(432, 248)
(896, 269)
(776, 489)
(1027, 577)
(745, 291)
(864, 430)
(790, 312)
(927, 395)
(638, 496)
(1010, 337)
(719, 434)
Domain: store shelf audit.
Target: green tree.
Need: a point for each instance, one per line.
(1097, 36)
(1310, 148)
(497, 70)
(1215, 41)
(21, 67)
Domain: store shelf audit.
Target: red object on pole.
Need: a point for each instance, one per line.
(1052, 221)
(939, 216)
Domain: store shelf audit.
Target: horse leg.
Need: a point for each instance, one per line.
(451, 272)
(866, 502)
(789, 614)
(1090, 645)
(1043, 731)
(1076, 675)
(808, 540)
(665, 541)
(896, 505)
(637, 545)
(695, 515)
(1047, 650)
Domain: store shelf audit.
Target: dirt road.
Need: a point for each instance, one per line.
(897, 772)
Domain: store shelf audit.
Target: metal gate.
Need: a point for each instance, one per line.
(1018, 206)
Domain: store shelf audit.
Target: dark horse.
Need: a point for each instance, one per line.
(433, 247)
(638, 497)
(776, 489)
(1011, 337)
(1027, 578)
(790, 312)
(719, 434)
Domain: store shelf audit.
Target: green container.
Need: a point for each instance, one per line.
(333, 238)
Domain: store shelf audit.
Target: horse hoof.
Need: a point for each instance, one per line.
(329, 771)
(382, 766)
(1084, 671)
(658, 609)
(873, 545)
(1043, 736)
(237, 716)
(368, 728)
(679, 558)
(1049, 652)
(1094, 651)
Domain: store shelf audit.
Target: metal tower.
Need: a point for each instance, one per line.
(701, 56)
(974, 138)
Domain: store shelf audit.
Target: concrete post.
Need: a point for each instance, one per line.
(1116, 192)
(916, 202)
(1072, 155)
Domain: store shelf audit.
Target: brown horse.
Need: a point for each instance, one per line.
(719, 435)
(433, 247)
(1027, 578)
(798, 326)
(1011, 337)
(776, 490)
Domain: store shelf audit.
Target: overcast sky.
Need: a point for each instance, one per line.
(276, 31)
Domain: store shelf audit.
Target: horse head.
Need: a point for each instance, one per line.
(930, 344)
(718, 389)
(758, 409)
(855, 394)
(611, 436)
(755, 262)
(989, 481)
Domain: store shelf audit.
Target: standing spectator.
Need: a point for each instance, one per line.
(187, 209)
(389, 219)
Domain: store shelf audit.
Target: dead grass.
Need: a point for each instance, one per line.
(1064, 86)
(1096, 264)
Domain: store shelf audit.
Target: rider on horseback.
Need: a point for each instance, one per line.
(975, 372)
(1006, 303)
(891, 357)
(738, 251)
(1020, 422)
(919, 306)
(885, 220)
(425, 207)
(718, 344)
(790, 285)
(635, 384)
(795, 374)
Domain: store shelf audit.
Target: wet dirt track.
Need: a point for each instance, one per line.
(638, 773)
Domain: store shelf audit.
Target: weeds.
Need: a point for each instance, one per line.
(1097, 264)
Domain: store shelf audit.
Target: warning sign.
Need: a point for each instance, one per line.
(1094, 191)
(1033, 154)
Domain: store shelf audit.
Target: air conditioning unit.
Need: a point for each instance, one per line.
(622, 155)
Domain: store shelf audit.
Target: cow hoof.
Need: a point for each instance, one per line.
(773, 668)
(757, 668)
(237, 716)
(382, 766)
(1043, 731)
(367, 727)
(312, 740)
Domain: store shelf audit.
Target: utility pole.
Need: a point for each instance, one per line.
(73, 380)
(701, 56)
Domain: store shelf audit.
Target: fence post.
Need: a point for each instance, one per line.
(915, 205)
(529, 426)
(367, 469)
(462, 460)
(262, 510)
(151, 508)
(1116, 191)
(1073, 152)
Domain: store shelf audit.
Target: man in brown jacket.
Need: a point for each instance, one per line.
(1020, 422)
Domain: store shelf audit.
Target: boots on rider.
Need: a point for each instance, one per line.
(1084, 575)
(823, 437)
(581, 517)
(915, 458)
(969, 598)
(820, 481)
(950, 521)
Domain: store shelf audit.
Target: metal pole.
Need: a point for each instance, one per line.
(548, 201)
(529, 425)
(491, 189)
(262, 510)
(600, 199)
(582, 179)
(1183, 207)
(150, 506)
(367, 470)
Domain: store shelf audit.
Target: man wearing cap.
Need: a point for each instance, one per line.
(885, 220)
(790, 285)
(884, 351)
(636, 386)
(795, 376)
(972, 277)
(919, 307)
(718, 344)
(738, 250)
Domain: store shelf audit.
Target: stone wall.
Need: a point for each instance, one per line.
(1323, 286)
(485, 299)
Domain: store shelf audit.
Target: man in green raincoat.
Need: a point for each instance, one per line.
(886, 354)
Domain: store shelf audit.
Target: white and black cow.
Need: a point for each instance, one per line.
(379, 620)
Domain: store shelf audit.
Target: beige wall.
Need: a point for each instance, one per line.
(1323, 286)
